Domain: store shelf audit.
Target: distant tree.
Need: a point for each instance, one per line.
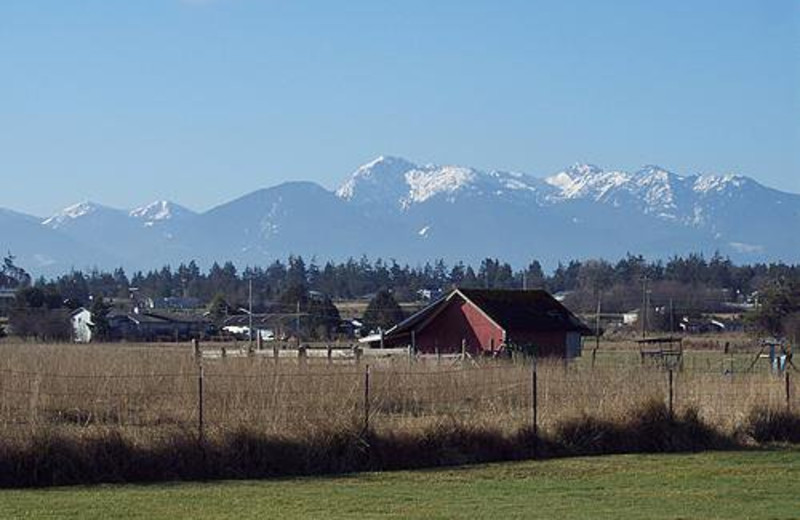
(382, 312)
(32, 316)
(534, 277)
(11, 276)
(100, 310)
(779, 305)
(218, 309)
(315, 314)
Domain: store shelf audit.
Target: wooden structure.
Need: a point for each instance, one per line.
(665, 352)
(487, 322)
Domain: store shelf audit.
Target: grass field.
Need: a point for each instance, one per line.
(752, 484)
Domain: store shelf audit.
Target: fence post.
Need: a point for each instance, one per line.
(200, 421)
(366, 399)
(535, 403)
(788, 392)
(330, 354)
(275, 352)
(196, 349)
(671, 395)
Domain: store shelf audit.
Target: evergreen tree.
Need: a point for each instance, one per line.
(382, 312)
(218, 309)
(100, 310)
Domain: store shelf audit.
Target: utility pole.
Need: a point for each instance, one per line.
(596, 331)
(250, 314)
(644, 307)
(671, 316)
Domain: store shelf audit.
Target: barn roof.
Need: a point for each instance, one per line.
(523, 311)
(514, 311)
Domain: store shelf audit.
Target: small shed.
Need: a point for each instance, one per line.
(487, 321)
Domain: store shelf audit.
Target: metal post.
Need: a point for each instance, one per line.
(366, 399)
(200, 418)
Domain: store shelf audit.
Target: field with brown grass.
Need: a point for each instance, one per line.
(148, 397)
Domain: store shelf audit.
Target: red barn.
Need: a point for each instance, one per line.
(486, 321)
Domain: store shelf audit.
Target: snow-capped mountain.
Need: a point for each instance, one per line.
(159, 212)
(43, 250)
(393, 208)
(83, 211)
(403, 184)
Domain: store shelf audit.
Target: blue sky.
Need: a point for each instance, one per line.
(200, 101)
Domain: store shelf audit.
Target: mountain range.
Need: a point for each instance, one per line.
(393, 208)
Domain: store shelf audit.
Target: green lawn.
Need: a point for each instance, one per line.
(758, 484)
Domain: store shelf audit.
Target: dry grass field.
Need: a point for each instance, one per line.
(146, 396)
(147, 390)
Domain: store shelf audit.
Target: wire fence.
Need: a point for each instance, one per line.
(292, 399)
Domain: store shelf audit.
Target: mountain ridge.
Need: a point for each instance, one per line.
(394, 208)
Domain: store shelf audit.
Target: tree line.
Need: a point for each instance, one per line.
(692, 284)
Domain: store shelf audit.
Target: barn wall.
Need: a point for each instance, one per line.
(551, 343)
(459, 321)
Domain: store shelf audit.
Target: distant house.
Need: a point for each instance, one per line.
(161, 326)
(173, 303)
(82, 325)
(701, 326)
(264, 325)
(630, 317)
(488, 321)
(7, 299)
(141, 326)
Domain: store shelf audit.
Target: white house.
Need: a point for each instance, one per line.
(82, 324)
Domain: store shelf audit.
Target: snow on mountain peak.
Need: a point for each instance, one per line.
(710, 183)
(431, 180)
(157, 211)
(585, 180)
(71, 213)
(377, 177)
(394, 182)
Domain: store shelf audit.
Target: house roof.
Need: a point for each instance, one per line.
(243, 320)
(512, 310)
(152, 317)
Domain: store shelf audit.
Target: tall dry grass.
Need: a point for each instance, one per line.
(123, 401)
